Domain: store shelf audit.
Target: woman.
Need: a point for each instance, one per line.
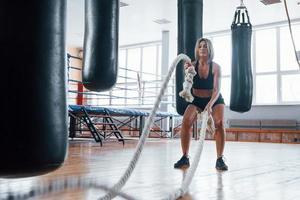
(206, 92)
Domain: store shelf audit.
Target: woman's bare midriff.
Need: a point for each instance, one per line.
(202, 92)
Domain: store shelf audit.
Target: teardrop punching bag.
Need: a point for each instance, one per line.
(34, 136)
(241, 74)
(189, 30)
(100, 61)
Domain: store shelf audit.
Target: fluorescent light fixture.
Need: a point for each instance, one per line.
(162, 21)
(123, 4)
(268, 2)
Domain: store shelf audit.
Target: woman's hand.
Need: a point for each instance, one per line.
(187, 65)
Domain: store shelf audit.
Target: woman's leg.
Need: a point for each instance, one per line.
(218, 115)
(189, 117)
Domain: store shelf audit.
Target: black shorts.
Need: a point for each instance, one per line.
(201, 102)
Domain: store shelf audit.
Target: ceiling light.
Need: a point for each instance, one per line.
(122, 4)
(268, 2)
(162, 21)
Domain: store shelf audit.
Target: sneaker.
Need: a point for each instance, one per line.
(183, 162)
(220, 164)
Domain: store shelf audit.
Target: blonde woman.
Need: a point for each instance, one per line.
(206, 92)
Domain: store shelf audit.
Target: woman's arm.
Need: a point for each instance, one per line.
(216, 87)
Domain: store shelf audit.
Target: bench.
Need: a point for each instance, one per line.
(263, 130)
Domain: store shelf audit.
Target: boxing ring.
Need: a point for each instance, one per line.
(107, 122)
(107, 115)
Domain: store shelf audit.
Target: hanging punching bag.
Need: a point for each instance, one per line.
(189, 30)
(100, 59)
(33, 137)
(241, 75)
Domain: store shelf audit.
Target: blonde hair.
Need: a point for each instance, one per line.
(210, 49)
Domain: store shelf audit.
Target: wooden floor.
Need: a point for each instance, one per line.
(257, 171)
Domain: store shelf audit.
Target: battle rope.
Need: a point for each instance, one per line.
(76, 182)
(205, 118)
(188, 83)
(60, 184)
(207, 124)
(145, 133)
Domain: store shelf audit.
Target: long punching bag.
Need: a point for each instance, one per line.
(189, 30)
(34, 136)
(241, 74)
(100, 44)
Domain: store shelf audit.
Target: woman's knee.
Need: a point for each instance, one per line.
(219, 124)
(186, 123)
(189, 116)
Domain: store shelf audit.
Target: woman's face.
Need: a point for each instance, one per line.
(202, 50)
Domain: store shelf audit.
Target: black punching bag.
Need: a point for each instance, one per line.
(33, 137)
(189, 30)
(100, 59)
(241, 75)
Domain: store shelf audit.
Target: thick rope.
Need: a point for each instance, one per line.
(145, 133)
(188, 83)
(61, 184)
(206, 125)
(190, 174)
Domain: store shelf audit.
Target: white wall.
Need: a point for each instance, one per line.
(267, 112)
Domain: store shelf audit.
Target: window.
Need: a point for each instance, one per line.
(287, 54)
(134, 59)
(118, 94)
(122, 58)
(143, 63)
(225, 89)
(149, 63)
(290, 88)
(222, 47)
(103, 99)
(150, 93)
(266, 53)
(266, 89)
(276, 76)
(132, 95)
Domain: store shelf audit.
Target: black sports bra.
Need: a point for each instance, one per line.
(203, 83)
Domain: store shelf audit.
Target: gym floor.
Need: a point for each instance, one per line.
(256, 171)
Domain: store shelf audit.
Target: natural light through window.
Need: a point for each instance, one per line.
(266, 53)
(266, 89)
(149, 63)
(290, 88)
(134, 59)
(287, 53)
(222, 47)
(225, 89)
